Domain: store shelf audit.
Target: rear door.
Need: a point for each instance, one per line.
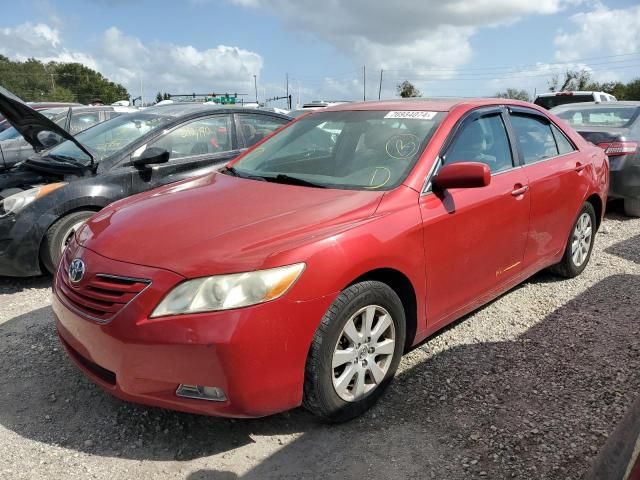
(196, 147)
(558, 179)
(475, 238)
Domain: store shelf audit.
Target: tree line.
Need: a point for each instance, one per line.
(35, 81)
(572, 80)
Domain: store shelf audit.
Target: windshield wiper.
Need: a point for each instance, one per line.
(287, 179)
(235, 173)
(67, 159)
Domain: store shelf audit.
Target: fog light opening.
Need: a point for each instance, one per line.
(200, 392)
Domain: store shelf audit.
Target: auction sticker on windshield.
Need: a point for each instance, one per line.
(411, 114)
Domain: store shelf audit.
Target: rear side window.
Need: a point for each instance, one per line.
(534, 136)
(81, 121)
(482, 140)
(254, 128)
(563, 143)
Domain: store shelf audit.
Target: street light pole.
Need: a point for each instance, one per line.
(255, 84)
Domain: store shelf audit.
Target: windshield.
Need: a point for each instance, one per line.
(351, 150)
(105, 139)
(609, 116)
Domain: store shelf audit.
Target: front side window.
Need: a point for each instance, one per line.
(254, 128)
(345, 149)
(482, 140)
(534, 137)
(199, 137)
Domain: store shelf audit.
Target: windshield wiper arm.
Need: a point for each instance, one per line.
(287, 179)
(235, 173)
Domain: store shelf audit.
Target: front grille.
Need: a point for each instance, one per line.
(102, 373)
(99, 296)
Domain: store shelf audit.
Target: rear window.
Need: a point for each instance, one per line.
(608, 116)
(563, 99)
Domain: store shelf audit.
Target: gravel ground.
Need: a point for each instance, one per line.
(528, 387)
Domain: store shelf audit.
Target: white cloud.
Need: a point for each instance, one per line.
(39, 41)
(124, 59)
(600, 32)
(415, 34)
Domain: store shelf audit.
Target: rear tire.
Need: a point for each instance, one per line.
(579, 244)
(355, 352)
(58, 236)
(632, 207)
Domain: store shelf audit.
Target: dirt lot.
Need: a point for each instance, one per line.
(527, 387)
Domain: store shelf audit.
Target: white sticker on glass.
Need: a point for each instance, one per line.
(412, 114)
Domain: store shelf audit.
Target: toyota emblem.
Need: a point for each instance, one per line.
(76, 270)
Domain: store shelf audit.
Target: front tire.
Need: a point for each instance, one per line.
(632, 207)
(58, 236)
(579, 244)
(355, 352)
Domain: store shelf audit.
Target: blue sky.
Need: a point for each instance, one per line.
(453, 48)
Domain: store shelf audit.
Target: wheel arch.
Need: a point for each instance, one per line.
(596, 203)
(403, 287)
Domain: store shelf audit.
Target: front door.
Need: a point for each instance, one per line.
(475, 238)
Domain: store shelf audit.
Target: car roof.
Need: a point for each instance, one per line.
(180, 109)
(573, 106)
(427, 104)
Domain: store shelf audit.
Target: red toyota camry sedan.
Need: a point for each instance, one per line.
(301, 272)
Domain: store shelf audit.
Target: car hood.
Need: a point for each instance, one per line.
(222, 224)
(31, 123)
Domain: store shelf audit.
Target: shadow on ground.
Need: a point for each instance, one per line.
(10, 285)
(539, 406)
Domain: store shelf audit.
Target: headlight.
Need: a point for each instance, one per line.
(15, 203)
(222, 292)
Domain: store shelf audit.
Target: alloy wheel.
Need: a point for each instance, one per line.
(581, 241)
(363, 353)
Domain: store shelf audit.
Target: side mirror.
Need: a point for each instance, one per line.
(462, 175)
(151, 156)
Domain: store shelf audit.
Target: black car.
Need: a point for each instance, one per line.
(14, 148)
(614, 126)
(44, 199)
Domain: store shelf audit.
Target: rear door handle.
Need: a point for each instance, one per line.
(580, 167)
(520, 190)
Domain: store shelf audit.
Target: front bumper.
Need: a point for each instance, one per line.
(20, 246)
(256, 355)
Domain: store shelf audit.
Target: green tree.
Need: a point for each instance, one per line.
(406, 89)
(514, 94)
(33, 80)
(158, 97)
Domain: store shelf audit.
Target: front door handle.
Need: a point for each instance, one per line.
(520, 190)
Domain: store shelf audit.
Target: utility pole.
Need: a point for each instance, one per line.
(141, 92)
(287, 94)
(380, 87)
(255, 84)
(364, 83)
